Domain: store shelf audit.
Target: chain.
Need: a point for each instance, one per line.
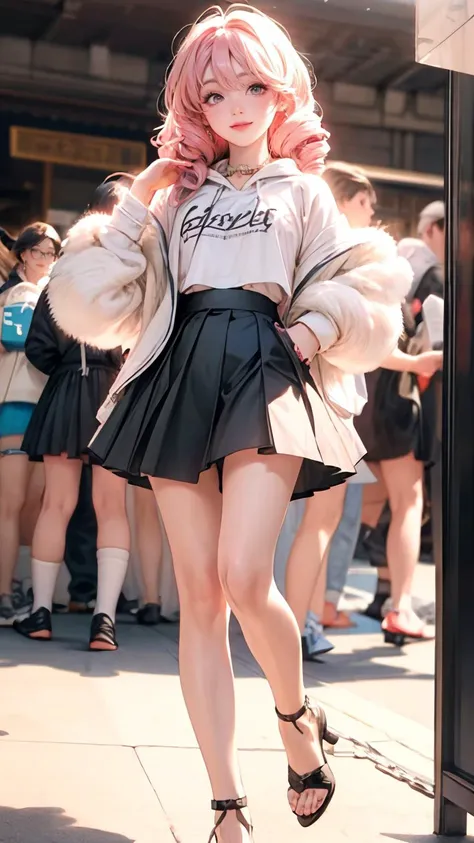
(362, 749)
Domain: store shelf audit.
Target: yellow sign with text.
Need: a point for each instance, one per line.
(95, 153)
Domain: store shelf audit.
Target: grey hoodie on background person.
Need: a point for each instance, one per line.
(428, 278)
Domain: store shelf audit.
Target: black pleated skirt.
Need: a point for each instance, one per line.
(64, 420)
(229, 380)
(385, 439)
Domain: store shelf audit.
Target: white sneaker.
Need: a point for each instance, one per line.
(8, 614)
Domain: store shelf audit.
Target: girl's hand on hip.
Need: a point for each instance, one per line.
(303, 339)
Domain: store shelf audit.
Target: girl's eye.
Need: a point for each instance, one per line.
(212, 99)
(257, 89)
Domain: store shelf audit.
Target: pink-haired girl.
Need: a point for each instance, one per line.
(230, 270)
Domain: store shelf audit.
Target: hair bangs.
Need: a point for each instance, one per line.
(235, 53)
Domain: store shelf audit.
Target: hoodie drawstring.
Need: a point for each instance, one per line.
(84, 366)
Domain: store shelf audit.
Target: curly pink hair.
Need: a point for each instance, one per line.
(261, 47)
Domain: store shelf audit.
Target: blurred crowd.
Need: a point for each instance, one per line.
(380, 513)
(54, 503)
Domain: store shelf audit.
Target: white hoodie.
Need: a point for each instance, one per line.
(282, 234)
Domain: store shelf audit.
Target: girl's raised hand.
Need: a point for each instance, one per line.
(159, 175)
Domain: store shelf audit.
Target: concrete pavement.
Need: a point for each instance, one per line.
(97, 748)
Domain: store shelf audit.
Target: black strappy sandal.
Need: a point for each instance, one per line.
(320, 779)
(37, 626)
(102, 636)
(225, 805)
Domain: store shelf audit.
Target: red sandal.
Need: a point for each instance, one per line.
(398, 627)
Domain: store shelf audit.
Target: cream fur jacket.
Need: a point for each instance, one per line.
(113, 286)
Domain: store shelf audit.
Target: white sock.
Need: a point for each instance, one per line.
(44, 576)
(112, 563)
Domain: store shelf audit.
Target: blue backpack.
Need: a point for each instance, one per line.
(16, 324)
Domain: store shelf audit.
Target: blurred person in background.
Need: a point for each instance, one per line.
(397, 427)
(62, 425)
(81, 539)
(7, 241)
(149, 539)
(353, 192)
(148, 527)
(426, 255)
(21, 385)
(7, 262)
(337, 509)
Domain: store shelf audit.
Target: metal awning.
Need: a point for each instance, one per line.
(366, 42)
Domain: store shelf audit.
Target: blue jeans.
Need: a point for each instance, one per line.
(344, 543)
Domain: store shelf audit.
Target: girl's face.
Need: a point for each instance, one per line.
(240, 116)
(38, 259)
(359, 210)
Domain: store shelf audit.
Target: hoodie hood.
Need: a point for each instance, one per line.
(419, 256)
(279, 168)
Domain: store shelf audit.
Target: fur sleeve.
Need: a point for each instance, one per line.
(360, 294)
(96, 288)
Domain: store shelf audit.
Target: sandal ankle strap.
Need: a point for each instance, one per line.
(292, 718)
(225, 805)
(229, 804)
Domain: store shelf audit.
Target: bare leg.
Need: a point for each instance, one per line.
(14, 477)
(192, 516)
(404, 480)
(257, 491)
(331, 510)
(305, 572)
(108, 498)
(375, 497)
(33, 502)
(317, 600)
(149, 543)
(62, 479)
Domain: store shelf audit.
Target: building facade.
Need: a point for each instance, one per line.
(80, 81)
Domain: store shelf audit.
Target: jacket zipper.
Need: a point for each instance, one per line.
(114, 397)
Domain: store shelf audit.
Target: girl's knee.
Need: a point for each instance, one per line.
(200, 593)
(245, 585)
(410, 498)
(57, 504)
(109, 507)
(12, 504)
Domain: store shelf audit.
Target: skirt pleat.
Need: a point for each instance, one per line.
(229, 380)
(64, 419)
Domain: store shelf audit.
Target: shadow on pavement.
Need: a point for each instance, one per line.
(363, 665)
(154, 650)
(45, 825)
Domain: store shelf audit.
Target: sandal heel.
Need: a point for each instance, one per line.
(395, 638)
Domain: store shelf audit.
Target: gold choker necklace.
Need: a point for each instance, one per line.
(245, 170)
